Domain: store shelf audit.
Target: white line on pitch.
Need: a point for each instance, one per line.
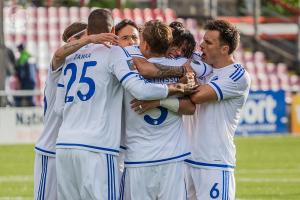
(267, 171)
(268, 180)
(4, 179)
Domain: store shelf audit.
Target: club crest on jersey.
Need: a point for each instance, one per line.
(195, 62)
(130, 64)
(214, 78)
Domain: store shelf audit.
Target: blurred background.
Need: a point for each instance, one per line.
(268, 146)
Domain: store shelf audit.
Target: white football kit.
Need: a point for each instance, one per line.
(44, 167)
(211, 133)
(92, 94)
(155, 145)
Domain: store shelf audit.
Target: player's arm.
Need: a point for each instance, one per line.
(60, 97)
(204, 93)
(182, 106)
(71, 47)
(150, 70)
(223, 88)
(141, 89)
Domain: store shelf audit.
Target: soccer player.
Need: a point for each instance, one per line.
(90, 100)
(220, 101)
(44, 167)
(128, 33)
(155, 142)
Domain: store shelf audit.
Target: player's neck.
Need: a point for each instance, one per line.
(223, 62)
(156, 55)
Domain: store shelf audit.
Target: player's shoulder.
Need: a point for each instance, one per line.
(236, 73)
(196, 56)
(178, 61)
(119, 51)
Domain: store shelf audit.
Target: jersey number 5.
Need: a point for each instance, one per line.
(83, 80)
(160, 119)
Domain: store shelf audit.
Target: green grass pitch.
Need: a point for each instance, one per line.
(268, 167)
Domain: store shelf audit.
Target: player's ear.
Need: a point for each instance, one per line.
(225, 49)
(147, 47)
(113, 30)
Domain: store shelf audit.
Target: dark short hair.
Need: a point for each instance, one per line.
(187, 39)
(123, 23)
(158, 35)
(176, 25)
(100, 21)
(229, 35)
(177, 28)
(72, 29)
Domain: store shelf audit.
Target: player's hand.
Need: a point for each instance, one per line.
(181, 88)
(190, 75)
(142, 106)
(106, 39)
(187, 67)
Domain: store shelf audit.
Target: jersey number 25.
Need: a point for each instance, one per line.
(83, 80)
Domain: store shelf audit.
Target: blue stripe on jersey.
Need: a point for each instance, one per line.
(88, 146)
(219, 90)
(137, 55)
(237, 66)
(162, 160)
(126, 52)
(45, 151)
(240, 76)
(241, 70)
(237, 69)
(45, 104)
(208, 164)
(205, 67)
(60, 85)
(127, 75)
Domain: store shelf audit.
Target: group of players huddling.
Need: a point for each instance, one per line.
(134, 113)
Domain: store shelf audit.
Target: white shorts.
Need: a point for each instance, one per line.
(158, 182)
(210, 184)
(44, 177)
(84, 174)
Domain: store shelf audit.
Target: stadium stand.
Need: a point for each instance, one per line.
(40, 28)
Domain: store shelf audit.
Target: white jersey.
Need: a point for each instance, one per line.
(211, 129)
(46, 143)
(158, 135)
(92, 91)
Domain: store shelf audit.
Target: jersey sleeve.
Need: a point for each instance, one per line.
(231, 87)
(121, 65)
(60, 96)
(134, 51)
(54, 75)
(201, 69)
